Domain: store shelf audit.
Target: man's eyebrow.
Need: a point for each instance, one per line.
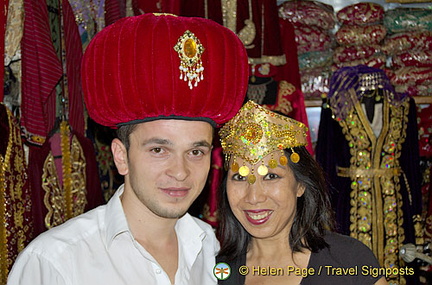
(161, 141)
(157, 141)
(202, 143)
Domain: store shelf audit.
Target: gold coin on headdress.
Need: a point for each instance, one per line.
(251, 179)
(244, 171)
(235, 167)
(283, 160)
(273, 163)
(295, 157)
(262, 170)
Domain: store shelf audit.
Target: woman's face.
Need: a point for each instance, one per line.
(267, 208)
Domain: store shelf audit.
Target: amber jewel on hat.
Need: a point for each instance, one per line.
(189, 50)
(256, 132)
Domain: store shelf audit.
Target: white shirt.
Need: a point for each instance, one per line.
(97, 247)
(377, 121)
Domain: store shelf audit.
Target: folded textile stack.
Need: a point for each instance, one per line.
(313, 23)
(360, 36)
(409, 50)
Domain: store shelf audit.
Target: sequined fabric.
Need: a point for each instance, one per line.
(15, 200)
(375, 175)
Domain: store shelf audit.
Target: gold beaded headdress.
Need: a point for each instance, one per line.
(256, 132)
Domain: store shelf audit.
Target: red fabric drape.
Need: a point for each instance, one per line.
(73, 69)
(114, 10)
(41, 71)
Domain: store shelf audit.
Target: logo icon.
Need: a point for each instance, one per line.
(222, 271)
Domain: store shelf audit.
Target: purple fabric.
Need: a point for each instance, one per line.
(347, 78)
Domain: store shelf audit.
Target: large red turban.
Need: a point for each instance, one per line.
(156, 66)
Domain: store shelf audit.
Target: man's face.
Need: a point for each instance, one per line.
(167, 164)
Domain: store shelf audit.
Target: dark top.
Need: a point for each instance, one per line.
(328, 265)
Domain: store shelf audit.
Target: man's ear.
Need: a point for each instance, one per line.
(120, 156)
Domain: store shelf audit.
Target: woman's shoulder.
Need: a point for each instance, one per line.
(344, 261)
(340, 241)
(238, 261)
(344, 249)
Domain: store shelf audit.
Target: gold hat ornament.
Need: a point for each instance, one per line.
(256, 132)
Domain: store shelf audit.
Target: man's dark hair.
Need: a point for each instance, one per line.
(313, 217)
(123, 133)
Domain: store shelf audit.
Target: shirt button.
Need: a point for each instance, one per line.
(158, 271)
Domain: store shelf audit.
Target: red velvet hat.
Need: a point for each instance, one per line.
(161, 66)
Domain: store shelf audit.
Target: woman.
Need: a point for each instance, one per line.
(276, 223)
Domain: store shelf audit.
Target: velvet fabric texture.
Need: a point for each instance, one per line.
(130, 71)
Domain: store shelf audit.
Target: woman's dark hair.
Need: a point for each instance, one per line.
(313, 217)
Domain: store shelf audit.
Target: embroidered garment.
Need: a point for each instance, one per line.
(42, 70)
(375, 179)
(63, 188)
(16, 229)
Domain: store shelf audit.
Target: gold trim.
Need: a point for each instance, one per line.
(376, 202)
(356, 172)
(3, 234)
(248, 33)
(66, 167)
(229, 14)
(55, 198)
(15, 200)
(275, 60)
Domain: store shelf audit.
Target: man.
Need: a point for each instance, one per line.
(165, 82)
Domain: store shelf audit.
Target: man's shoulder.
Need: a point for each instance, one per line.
(69, 235)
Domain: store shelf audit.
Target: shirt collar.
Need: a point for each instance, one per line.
(188, 230)
(187, 227)
(115, 217)
(191, 240)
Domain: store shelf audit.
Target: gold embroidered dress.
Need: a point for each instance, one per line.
(373, 166)
(15, 197)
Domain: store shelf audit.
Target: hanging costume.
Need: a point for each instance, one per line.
(64, 177)
(90, 18)
(12, 55)
(424, 116)
(204, 8)
(114, 10)
(41, 71)
(155, 6)
(373, 167)
(65, 180)
(15, 196)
